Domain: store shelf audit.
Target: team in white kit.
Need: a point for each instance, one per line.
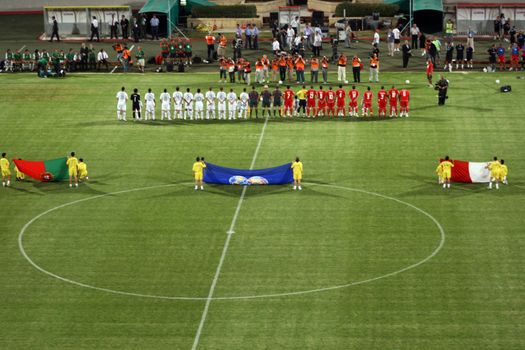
(189, 106)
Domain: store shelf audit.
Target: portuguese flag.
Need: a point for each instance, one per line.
(44, 170)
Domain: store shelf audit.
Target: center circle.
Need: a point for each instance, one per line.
(76, 281)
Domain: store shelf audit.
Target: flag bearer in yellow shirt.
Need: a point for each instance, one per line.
(4, 169)
(197, 171)
(504, 172)
(72, 165)
(446, 171)
(297, 168)
(82, 170)
(495, 168)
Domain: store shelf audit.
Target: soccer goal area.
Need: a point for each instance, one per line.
(76, 20)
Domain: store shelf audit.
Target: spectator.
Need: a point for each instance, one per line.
(442, 85)
(407, 52)
(314, 70)
(299, 69)
(341, 68)
(348, 35)
(154, 23)
(492, 57)
(449, 29)
(275, 28)
(102, 59)
(374, 69)
(70, 61)
(248, 37)
(390, 41)
(377, 38)
(55, 30)
(290, 34)
(308, 34)
(136, 32)
(414, 34)
(94, 29)
(356, 69)
(238, 31)
(126, 58)
(210, 42)
(84, 52)
(141, 62)
(223, 43)
(294, 23)
(113, 27)
(124, 26)
(470, 38)
(255, 37)
(324, 69)
(276, 48)
(143, 20)
(397, 38)
(497, 28)
(318, 41)
(422, 43)
(164, 48)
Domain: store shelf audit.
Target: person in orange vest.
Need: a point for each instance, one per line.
(223, 43)
(164, 48)
(324, 68)
(126, 58)
(275, 68)
(223, 68)
(210, 41)
(247, 68)
(259, 74)
(314, 70)
(290, 67)
(239, 67)
(231, 70)
(282, 68)
(299, 69)
(266, 64)
(374, 68)
(356, 69)
(341, 68)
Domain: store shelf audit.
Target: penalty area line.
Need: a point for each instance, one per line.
(230, 232)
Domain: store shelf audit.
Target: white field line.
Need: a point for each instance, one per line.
(226, 245)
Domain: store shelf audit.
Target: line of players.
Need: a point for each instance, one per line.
(288, 103)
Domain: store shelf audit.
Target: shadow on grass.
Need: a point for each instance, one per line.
(63, 187)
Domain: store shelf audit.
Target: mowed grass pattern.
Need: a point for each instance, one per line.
(167, 240)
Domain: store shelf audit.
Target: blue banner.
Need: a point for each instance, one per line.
(214, 174)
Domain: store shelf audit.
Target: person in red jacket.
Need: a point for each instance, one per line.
(430, 70)
(367, 102)
(321, 102)
(404, 97)
(330, 102)
(393, 95)
(341, 106)
(310, 102)
(381, 102)
(353, 106)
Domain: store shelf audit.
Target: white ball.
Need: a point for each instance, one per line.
(407, 81)
(280, 82)
(497, 81)
(485, 70)
(346, 81)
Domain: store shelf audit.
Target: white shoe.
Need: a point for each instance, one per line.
(76, 185)
(70, 185)
(300, 188)
(196, 187)
(202, 188)
(294, 188)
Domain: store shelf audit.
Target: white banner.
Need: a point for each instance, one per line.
(520, 14)
(68, 17)
(478, 14)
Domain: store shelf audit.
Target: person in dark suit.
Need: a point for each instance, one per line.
(124, 25)
(407, 52)
(442, 86)
(55, 30)
(113, 23)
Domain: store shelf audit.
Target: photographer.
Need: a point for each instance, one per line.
(442, 86)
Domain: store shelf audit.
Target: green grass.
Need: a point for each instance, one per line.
(167, 241)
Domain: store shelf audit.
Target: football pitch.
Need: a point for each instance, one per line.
(371, 254)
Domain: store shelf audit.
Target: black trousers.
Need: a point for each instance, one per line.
(405, 60)
(442, 96)
(54, 34)
(282, 73)
(255, 42)
(125, 32)
(94, 32)
(136, 107)
(248, 43)
(414, 41)
(211, 49)
(357, 74)
(113, 32)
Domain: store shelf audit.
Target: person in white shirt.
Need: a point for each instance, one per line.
(102, 59)
(414, 34)
(188, 104)
(289, 37)
(122, 98)
(276, 47)
(294, 23)
(232, 104)
(94, 29)
(243, 104)
(165, 105)
(177, 103)
(199, 105)
(397, 38)
(150, 105)
(377, 38)
(210, 104)
(221, 103)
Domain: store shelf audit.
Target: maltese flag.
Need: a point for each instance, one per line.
(470, 172)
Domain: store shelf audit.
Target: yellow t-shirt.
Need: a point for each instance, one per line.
(439, 170)
(82, 168)
(447, 166)
(504, 170)
(494, 168)
(19, 174)
(197, 167)
(297, 168)
(72, 163)
(4, 164)
(301, 94)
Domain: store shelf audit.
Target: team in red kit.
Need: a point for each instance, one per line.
(329, 103)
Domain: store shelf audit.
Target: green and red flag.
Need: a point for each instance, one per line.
(44, 170)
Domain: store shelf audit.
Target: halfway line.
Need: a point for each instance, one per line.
(226, 244)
